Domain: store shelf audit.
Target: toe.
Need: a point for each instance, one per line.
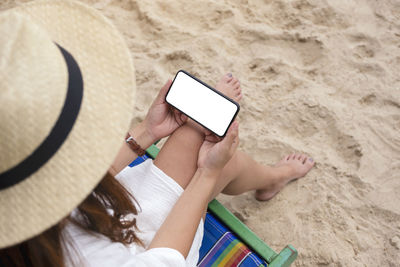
(238, 91)
(309, 162)
(233, 81)
(302, 158)
(227, 78)
(292, 156)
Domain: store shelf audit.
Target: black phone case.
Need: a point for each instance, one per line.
(209, 87)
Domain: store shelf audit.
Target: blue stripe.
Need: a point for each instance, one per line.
(139, 160)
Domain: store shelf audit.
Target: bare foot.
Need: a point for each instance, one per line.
(291, 167)
(230, 86)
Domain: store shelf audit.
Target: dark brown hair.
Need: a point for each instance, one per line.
(106, 211)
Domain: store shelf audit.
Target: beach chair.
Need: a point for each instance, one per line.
(229, 242)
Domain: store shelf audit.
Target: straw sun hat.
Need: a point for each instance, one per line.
(66, 98)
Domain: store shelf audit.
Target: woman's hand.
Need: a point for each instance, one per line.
(213, 156)
(162, 119)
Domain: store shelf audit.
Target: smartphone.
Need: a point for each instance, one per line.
(202, 103)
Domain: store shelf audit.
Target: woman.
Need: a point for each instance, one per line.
(66, 86)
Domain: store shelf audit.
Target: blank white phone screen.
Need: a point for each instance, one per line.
(201, 103)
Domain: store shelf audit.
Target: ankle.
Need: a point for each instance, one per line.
(281, 172)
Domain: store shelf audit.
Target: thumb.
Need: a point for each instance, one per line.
(163, 92)
(231, 139)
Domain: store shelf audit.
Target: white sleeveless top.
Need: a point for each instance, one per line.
(156, 194)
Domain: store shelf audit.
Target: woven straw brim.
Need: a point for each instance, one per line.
(51, 193)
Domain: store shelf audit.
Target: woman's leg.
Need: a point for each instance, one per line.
(242, 174)
(178, 156)
(178, 159)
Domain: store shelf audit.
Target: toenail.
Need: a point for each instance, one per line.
(310, 159)
(229, 74)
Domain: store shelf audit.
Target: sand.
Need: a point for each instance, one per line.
(319, 77)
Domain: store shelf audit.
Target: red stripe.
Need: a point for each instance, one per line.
(239, 256)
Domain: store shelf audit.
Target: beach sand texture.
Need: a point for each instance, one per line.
(319, 77)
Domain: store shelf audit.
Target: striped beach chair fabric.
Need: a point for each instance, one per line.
(221, 247)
